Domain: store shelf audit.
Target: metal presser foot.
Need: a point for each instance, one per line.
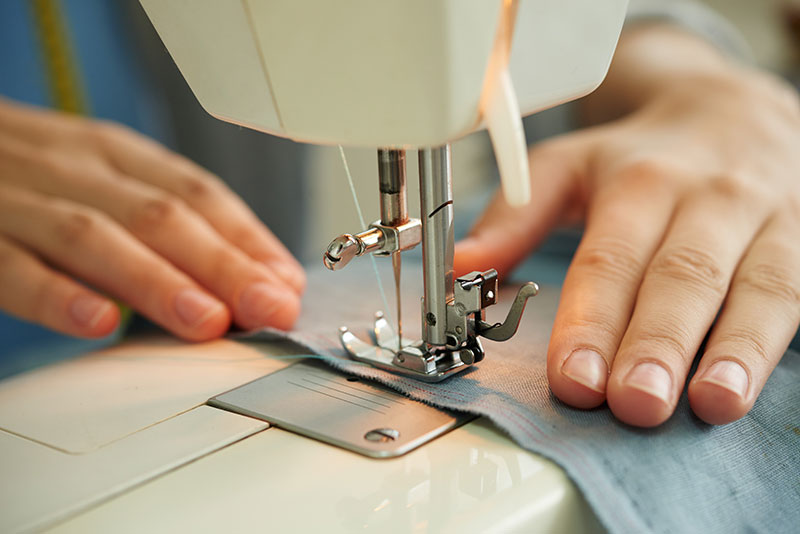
(412, 359)
(424, 362)
(452, 310)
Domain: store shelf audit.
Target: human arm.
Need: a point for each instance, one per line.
(691, 202)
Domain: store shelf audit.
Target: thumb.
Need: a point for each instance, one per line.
(504, 235)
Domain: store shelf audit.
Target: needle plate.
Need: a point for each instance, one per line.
(311, 399)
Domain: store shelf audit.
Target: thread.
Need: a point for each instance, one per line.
(364, 225)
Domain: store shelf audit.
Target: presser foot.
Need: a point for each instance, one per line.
(409, 358)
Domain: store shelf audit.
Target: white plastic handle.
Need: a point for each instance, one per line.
(504, 122)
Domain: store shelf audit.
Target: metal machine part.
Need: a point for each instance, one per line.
(378, 239)
(452, 310)
(394, 232)
(438, 244)
(312, 399)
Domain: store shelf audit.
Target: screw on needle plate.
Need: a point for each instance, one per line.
(382, 435)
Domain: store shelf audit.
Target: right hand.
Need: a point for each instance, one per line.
(692, 216)
(91, 202)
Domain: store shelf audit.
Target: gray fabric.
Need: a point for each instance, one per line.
(685, 476)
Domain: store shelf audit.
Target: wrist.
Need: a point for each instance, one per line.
(737, 91)
(652, 60)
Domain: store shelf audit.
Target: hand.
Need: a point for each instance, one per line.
(94, 202)
(692, 219)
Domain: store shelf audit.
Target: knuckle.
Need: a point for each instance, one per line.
(154, 213)
(754, 341)
(689, 264)
(600, 325)
(738, 188)
(225, 268)
(245, 234)
(668, 338)
(611, 259)
(773, 281)
(97, 133)
(104, 133)
(110, 137)
(53, 164)
(197, 188)
(76, 227)
(649, 172)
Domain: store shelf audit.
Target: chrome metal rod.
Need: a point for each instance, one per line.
(394, 212)
(392, 183)
(436, 201)
(396, 267)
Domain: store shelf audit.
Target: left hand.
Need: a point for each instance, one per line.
(91, 211)
(692, 210)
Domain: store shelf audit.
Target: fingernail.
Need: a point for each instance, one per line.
(87, 310)
(587, 368)
(259, 303)
(729, 375)
(652, 379)
(194, 307)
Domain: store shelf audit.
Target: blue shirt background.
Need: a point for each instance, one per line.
(115, 88)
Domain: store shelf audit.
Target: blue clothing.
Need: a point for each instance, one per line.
(114, 81)
(116, 89)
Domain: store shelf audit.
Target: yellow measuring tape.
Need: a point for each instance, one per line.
(63, 73)
(59, 59)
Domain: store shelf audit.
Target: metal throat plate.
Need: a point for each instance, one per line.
(311, 399)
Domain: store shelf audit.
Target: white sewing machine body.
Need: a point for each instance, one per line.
(121, 440)
(418, 74)
(379, 73)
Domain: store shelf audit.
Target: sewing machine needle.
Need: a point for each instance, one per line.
(396, 263)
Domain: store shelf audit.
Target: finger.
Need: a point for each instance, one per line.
(504, 235)
(760, 317)
(94, 248)
(257, 296)
(148, 161)
(682, 290)
(38, 126)
(36, 293)
(624, 227)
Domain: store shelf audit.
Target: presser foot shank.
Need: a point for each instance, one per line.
(414, 359)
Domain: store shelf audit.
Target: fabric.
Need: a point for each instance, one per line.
(684, 476)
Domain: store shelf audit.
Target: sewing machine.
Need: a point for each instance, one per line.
(127, 439)
(416, 74)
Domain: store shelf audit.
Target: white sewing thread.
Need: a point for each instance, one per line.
(364, 225)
